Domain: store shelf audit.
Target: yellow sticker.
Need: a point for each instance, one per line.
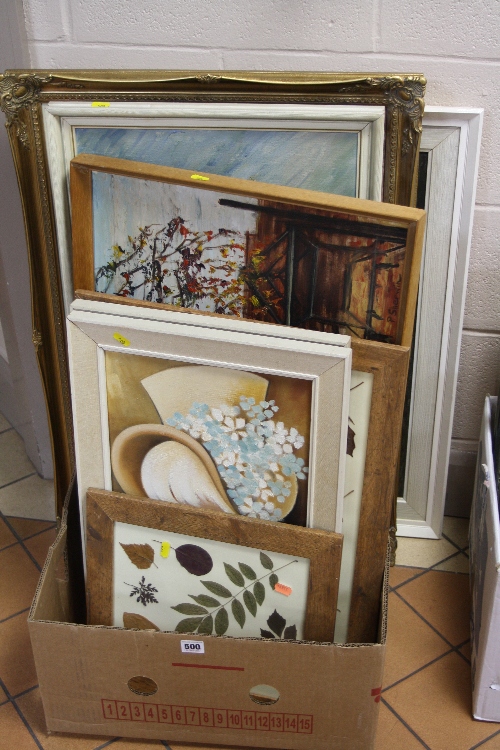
(200, 177)
(100, 104)
(282, 588)
(165, 549)
(121, 339)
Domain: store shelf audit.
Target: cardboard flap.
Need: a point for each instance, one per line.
(54, 604)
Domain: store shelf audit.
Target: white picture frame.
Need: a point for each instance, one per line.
(97, 328)
(451, 137)
(61, 118)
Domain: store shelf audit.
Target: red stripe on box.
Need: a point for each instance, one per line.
(207, 666)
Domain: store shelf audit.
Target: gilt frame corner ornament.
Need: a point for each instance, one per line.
(25, 93)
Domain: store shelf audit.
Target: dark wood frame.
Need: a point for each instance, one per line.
(323, 548)
(22, 94)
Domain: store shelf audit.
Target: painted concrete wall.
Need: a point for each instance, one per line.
(455, 43)
(21, 394)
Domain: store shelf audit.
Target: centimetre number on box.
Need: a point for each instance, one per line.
(220, 718)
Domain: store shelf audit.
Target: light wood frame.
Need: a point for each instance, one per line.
(388, 364)
(165, 334)
(410, 220)
(322, 548)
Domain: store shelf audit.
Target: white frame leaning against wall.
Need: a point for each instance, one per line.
(451, 137)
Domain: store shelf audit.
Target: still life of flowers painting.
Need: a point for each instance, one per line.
(210, 437)
(169, 581)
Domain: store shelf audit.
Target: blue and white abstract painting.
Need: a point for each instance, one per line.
(310, 159)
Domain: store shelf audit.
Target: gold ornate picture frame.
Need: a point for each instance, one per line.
(25, 95)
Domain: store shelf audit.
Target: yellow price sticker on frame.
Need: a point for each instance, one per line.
(165, 549)
(200, 177)
(121, 339)
(100, 104)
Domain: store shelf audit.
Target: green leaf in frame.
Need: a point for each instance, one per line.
(234, 575)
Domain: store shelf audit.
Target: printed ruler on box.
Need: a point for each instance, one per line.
(220, 718)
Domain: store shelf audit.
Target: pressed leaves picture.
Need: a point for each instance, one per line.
(169, 581)
(209, 437)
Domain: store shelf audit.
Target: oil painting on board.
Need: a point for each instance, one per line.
(209, 437)
(325, 160)
(250, 257)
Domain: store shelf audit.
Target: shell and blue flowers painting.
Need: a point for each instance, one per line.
(209, 437)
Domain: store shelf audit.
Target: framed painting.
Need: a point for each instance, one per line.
(234, 421)
(162, 566)
(375, 416)
(239, 247)
(44, 111)
(449, 157)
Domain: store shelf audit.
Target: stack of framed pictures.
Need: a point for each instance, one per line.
(197, 247)
(253, 241)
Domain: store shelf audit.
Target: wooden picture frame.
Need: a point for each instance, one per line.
(389, 367)
(323, 549)
(301, 257)
(367, 521)
(130, 349)
(38, 103)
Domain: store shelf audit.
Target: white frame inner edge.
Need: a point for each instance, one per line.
(452, 139)
(60, 118)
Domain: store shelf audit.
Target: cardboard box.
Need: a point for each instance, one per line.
(484, 540)
(329, 694)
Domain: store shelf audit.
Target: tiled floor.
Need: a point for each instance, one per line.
(426, 701)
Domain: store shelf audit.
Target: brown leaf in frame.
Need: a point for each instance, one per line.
(131, 620)
(350, 441)
(141, 555)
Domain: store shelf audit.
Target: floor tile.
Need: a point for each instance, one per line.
(15, 463)
(410, 642)
(443, 599)
(32, 497)
(457, 529)
(13, 734)
(493, 743)
(459, 563)
(4, 425)
(18, 580)
(465, 650)
(422, 553)
(31, 706)
(391, 733)
(6, 535)
(39, 545)
(399, 573)
(26, 527)
(436, 703)
(17, 668)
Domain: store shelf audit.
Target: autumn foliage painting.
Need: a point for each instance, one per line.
(252, 258)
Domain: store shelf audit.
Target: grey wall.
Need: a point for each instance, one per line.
(21, 395)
